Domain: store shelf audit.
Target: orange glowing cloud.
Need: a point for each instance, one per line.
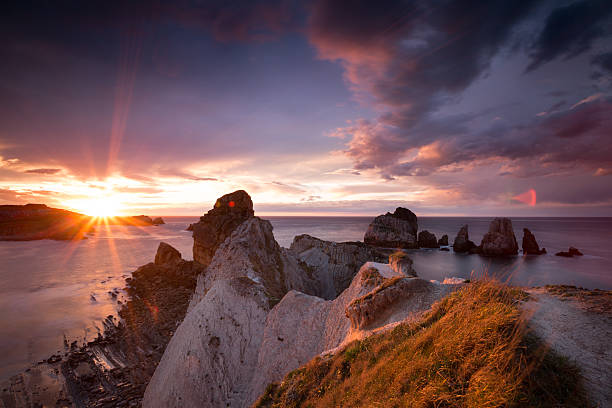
(528, 197)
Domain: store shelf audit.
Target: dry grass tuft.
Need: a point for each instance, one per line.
(472, 350)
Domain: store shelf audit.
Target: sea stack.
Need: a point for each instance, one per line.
(427, 240)
(530, 245)
(216, 225)
(397, 230)
(443, 241)
(462, 241)
(500, 240)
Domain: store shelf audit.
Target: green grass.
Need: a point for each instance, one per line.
(472, 350)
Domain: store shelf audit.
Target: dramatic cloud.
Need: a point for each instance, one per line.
(571, 30)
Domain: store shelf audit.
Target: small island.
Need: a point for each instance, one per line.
(38, 221)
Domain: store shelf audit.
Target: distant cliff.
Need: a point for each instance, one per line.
(38, 221)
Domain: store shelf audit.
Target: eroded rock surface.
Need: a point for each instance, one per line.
(397, 230)
(216, 225)
(401, 263)
(332, 264)
(500, 240)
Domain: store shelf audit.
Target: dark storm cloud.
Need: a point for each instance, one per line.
(604, 61)
(414, 58)
(571, 30)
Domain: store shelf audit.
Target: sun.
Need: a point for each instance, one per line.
(102, 207)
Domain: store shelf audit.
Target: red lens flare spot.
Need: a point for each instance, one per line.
(231, 204)
(528, 197)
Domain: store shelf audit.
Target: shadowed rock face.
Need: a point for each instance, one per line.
(462, 242)
(500, 240)
(333, 264)
(397, 230)
(443, 241)
(427, 240)
(530, 245)
(216, 225)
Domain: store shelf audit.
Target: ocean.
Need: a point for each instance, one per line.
(55, 290)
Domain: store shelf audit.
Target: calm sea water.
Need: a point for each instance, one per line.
(53, 290)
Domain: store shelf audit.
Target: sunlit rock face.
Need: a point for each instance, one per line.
(333, 264)
(500, 240)
(214, 227)
(166, 254)
(397, 230)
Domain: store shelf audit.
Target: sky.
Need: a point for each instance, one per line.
(451, 107)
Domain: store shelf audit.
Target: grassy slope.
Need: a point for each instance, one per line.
(472, 350)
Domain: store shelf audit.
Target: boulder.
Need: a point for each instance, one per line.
(462, 242)
(427, 240)
(166, 254)
(401, 264)
(397, 230)
(443, 241)
(500, 240)
(216, 225)
(530, 245)
(570, 253)
(333, 264)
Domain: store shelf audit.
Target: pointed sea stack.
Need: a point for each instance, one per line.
(530, 245)
(397, 230)
(500, 240)
(216, 225)
(462, 242)
(443, 241)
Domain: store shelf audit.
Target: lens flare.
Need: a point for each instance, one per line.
(528, 197)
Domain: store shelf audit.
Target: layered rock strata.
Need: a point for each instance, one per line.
(397, 230)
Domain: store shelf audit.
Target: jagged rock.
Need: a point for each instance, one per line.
(189, 227)
(462, 242)
(251, 251)
(364, 311)
(401, 264)
(216, 225)
(166, 254)
(530, 245)
(333, 265)
(397, 230)
(158, 221)
(427, 240)
(443, 241)
(570, 253)
(212, 357)
(500, 240)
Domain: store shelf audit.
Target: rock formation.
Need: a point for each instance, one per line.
(258, 312)
(401, 264)
(462, 242)
(158, 221)
(215, 226)
(397, 230)
(427, 240)
(443, 241)
(166, 254)
(530, 245)
(500, 240)
(570, 253)
(37, 221)
(333, 265)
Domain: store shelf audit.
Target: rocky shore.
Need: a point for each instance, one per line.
(217, 330)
